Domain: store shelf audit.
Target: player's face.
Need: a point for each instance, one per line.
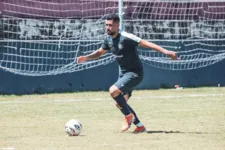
(111, 27)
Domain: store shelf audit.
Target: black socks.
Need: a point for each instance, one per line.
(125, 108)
(121, 101)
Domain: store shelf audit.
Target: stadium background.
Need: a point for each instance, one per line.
(101, 77)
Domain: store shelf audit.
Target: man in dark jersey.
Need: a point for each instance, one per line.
(124, 47)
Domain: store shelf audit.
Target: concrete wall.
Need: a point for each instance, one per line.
(100, 78)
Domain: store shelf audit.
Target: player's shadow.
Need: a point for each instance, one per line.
(166, 132)
(173, 132)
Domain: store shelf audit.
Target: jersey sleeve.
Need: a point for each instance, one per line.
(105, 45)
(133, 38)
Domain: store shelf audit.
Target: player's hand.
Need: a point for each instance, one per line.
(172, 55)
(81, 59)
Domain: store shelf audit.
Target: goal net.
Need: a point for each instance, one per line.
(45, 37)
(192, 28)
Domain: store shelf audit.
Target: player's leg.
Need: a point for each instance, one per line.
(127, 95)
(139, 126)
(115, 93)
(125, 83)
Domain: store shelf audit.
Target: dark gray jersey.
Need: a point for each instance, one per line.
(124, 47)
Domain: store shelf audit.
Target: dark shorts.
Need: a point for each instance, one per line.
(128, 81)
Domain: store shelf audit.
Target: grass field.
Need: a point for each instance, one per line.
(188, 119)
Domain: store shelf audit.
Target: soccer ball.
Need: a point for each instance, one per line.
(73, 127)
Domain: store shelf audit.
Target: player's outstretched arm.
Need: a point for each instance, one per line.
(94, 55)
(146, 44)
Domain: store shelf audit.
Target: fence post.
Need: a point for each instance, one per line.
(120, 8)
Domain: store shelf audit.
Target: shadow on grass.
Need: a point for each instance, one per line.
(174, 132)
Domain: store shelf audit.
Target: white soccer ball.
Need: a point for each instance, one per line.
(73, 127)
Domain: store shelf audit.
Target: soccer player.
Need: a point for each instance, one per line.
(124, 47)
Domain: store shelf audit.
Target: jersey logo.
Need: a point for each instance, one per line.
(120, 46)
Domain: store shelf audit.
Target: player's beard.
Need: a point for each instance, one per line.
(110, 32)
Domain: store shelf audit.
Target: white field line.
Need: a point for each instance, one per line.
(107, 99)
(7, 148)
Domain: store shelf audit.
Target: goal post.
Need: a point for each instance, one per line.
(44, 37)
(120, 10)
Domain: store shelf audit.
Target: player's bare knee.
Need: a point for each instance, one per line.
(114, 91)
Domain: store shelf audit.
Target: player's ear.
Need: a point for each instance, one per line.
(117, 25)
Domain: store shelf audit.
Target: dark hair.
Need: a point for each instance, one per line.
(113, 17)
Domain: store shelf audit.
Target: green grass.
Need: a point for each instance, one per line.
(188, 119)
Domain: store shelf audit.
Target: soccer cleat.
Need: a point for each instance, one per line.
(127, 122)
(139, 129)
